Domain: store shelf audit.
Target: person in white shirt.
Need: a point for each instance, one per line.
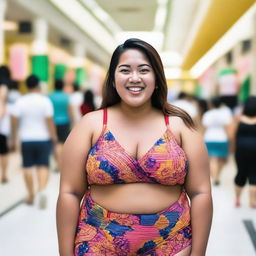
(5, 80)
(32, 117)
(216, 122)
(76, 100)
(185, 102)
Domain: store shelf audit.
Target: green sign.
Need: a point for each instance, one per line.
(81, 76)
(40, 67)
(59, 71)
(245, 89)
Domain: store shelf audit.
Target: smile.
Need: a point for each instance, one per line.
(135, 89)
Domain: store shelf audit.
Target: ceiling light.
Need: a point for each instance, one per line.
(161, 14)
(199, 16)
(171, 58)
(102, 15)
(76, 12)
(10, 25)
(153, 38)
(172, 73)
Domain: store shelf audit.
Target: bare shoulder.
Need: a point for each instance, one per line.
(176, 123)
(83, 133)
(185, 133)
(92, 124)
(92, 119)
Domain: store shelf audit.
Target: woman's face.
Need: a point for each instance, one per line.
(134, 78)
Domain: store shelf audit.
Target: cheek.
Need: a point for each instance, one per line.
(120, 89)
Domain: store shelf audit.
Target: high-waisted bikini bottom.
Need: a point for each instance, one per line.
(102, 232)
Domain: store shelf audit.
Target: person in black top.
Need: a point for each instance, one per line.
(245, 152)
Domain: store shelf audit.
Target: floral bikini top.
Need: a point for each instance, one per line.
(108, 162)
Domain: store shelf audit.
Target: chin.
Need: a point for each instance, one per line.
(136, 104)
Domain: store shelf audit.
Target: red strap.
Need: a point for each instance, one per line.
(105, 116)
(166, 118)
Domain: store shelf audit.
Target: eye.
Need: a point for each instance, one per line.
(124, 70)
(144, 70)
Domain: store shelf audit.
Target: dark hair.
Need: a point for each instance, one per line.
(250, 106)
(183, 95)
(76, 87)
(203, 106)
(5, 72)
(89, 99)
(5, 75)
(58, 84)
(159, 97)
(216, 102)
(32, 81)
(14, 85)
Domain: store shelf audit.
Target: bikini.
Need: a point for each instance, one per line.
(102, 232)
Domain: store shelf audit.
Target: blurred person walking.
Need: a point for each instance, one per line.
(62, 117)
(88, 103)
(187, 103)
(5, 81)
(32, 117)
(76, 99)
(5, 128)
(4, 84)
(14, 92)
(245, 151)
(216, 122)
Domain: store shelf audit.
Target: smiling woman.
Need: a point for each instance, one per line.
(134, 76)
(119, 160)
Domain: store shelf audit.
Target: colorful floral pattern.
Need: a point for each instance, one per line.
(108, 163)
(102, 232)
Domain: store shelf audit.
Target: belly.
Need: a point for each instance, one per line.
(135, 198)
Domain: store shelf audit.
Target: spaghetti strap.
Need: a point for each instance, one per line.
(105, 116)
(166, 118)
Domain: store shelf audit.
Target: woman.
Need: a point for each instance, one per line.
(216, 122)
(88, 103)
(122, 158)
(245, 152)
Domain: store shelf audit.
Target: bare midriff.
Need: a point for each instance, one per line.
(135, 198)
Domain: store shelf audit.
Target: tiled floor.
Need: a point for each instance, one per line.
(28, 231)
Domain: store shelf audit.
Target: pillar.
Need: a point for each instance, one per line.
(2, 15)
(40, 61)
(79, 52)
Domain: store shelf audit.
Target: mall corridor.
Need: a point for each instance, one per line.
(60, 60)
(26, 230)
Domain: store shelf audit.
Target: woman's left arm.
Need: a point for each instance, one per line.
(198, 188)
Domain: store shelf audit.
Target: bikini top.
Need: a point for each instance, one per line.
(108, 162)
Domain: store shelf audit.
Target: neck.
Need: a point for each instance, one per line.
(34, 90)
(135, 112)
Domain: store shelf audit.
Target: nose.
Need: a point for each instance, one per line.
(135, 77)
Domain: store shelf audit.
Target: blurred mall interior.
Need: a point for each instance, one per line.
(208, 47)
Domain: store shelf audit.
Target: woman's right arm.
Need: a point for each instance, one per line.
(3, 98)
(73, 184)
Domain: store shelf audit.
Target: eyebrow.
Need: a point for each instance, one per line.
(128, 66)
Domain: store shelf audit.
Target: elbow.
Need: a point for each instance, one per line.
(196, 194)
(71, 194)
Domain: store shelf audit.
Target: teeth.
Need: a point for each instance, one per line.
(135, 89)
